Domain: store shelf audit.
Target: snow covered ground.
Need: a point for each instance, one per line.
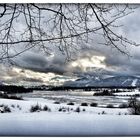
(65, 124)
(90, 121)
(22, 106)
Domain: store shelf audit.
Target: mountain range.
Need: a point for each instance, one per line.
(103, 78)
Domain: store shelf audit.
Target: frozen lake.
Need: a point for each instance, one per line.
(76, 96)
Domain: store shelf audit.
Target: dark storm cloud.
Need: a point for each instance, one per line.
(125, 64)
(114, 59)
(39, 63)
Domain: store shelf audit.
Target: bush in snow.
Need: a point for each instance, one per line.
(137, 95)
(123, 105)
(103, 112)
(1, 105)
(77, 109)
(70, 103)
(4, 109)
(35, 108)
(84, 104)
(13, 106)
(60, 109)
(45, 108)
(110, 106)
(132, 102)
(56, 102)
(119, 113)
(93, 104)
(18, 106)
(84, 109)
(64, 109)
(134, 105)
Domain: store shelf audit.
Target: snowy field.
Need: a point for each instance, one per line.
(67, 120)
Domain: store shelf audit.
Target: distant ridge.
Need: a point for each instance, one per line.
(119, 81)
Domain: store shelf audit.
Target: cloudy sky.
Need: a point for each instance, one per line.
(38, 68)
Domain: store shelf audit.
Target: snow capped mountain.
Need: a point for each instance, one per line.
(120, 81)
(99, 77)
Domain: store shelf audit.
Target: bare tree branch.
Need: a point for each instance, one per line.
(61, 25)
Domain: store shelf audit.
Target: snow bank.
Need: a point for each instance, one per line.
(76, 124)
